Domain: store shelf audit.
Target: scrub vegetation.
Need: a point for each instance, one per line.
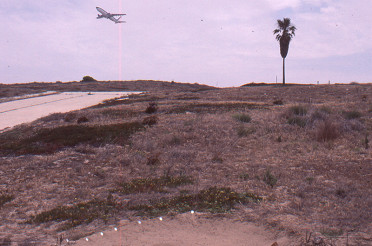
(293, 158)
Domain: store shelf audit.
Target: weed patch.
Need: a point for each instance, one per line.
(278, 102)
(214, 107)
(299, 121)
(242, 118)
(330, 232)
(243, 131)
(214, 200)
(153, 160)
(244, 176)
(150, 120)
(298, 110)
(5, 198)
(77, 214)
(351, 114)
(152, 108)
(146, 185)
(49, 140)
(270, 179)
(118, 113)
(327, 131)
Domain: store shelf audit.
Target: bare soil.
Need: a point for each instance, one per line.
(312, 169)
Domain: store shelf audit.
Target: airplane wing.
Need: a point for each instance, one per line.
(102, 11)
(117, 14)
(116, 20)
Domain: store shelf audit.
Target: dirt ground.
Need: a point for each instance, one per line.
(184, 230)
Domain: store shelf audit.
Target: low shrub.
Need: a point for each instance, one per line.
(4, 198)
(77, 214)
(269, 179)
(214, 107)
(69, 117)
(152, 108)
(88, 79)
(244, 176)
(214, 200)
(327, 131)
(243, 131)
(351, 114)
(217, 159)
(175, 140)
(331, 232)
(298, 110)
(150, 121)
(49, 140)
(366, 142)
(145, 185)
(153, 160)
(82, 119)
(242, 118)
(295, 120)
(278, 102)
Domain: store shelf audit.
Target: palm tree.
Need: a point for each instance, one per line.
(284, 34)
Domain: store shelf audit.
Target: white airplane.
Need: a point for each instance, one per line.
(109, 16)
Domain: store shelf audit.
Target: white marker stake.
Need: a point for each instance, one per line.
(101, 233)
(86, 239)
(139, 222)
(192, 211)
(160, 218)
(116, 229)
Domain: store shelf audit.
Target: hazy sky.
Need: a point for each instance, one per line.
(215, 42)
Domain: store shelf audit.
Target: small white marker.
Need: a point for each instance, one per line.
(192, 211)
(101, 233)
(116, 229)
(139, 222)
(86, 239)
(67, 240)
(160, 218)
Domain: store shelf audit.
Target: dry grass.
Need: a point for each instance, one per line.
(314, 176)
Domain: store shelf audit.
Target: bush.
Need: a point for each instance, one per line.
(269, 179)
(352, 114)
(145, 185)
(77, 214)
(150, 121)
(49, 140)
(242, 118)
(214, 200)
(5, 198)
(298, 110)
(243, 132)
(278, 102)
(297, 121)
(88, 79)
(153, 160)
(152, 108)
(82, 119)
(327, 131)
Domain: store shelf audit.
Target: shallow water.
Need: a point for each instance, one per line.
(26, 110)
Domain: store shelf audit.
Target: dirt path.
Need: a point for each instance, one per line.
(184, 229)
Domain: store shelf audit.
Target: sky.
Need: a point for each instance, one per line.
(223, 43)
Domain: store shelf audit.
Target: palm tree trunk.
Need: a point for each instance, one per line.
(283, 71)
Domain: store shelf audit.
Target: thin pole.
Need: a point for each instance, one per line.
(283, 71)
